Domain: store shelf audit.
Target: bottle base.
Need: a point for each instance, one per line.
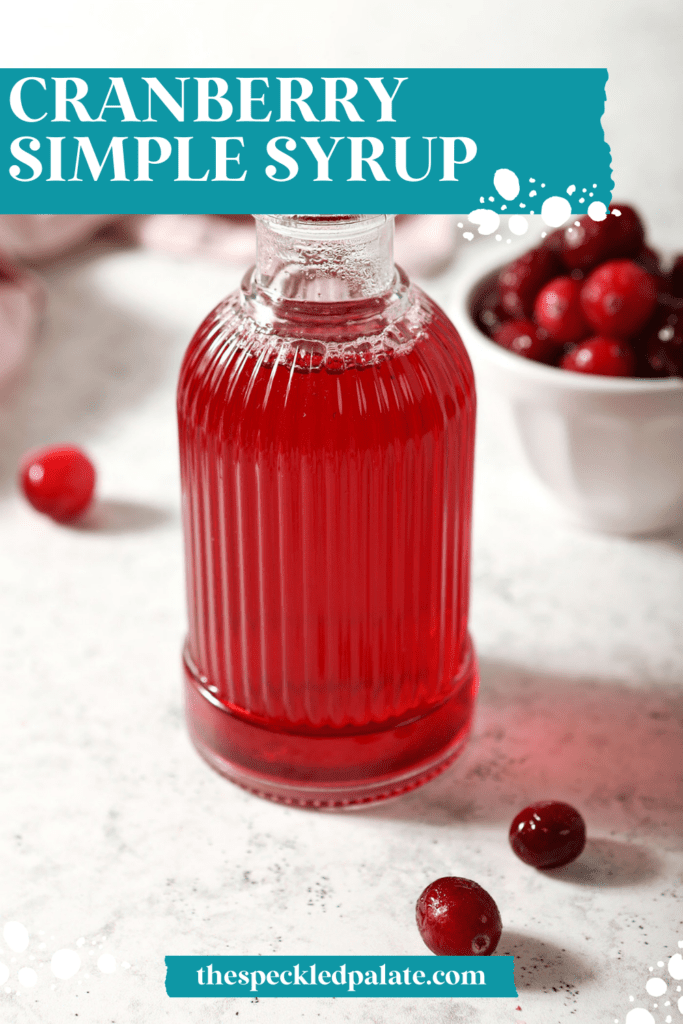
(335, 769)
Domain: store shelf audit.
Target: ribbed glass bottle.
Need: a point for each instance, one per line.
(326, 416)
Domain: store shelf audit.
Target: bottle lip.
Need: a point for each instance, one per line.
(319, 223)
(317, 217)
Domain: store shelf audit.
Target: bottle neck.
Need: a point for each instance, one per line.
(324, 259)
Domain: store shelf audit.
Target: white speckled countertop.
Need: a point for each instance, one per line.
(117, 839)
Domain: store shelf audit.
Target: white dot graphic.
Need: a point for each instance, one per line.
(65, 963)
(487, 220)
(518, 225)
(107, 963)
(639, 1016)
(571, 190)
(656, 987)
(27, 977)
(597, 211)
(555, 211)
(676, 966)
(680, 1004)
(4, 973)
(16, 936)
(506, 183)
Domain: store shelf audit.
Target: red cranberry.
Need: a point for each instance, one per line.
(58, 481)
(485, 306)
(554, 242)
(548, 834)
(627, 232)
(618, 298)
(648, 259)
(583, 246)
(605, 357)
(456, 917)
(646, 340)
(675, 281)
(558, 310)
(620, 234)
(520, 282)
(664, 351)
(526, 339)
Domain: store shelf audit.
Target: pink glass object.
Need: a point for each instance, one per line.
(326, 415)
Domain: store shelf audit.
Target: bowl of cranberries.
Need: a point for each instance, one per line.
(582, 338)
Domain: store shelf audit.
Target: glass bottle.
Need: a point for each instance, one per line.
(326, 417)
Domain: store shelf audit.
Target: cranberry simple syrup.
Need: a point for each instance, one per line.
(326, 417)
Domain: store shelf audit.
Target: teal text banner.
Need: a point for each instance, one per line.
(407, 977)
(335, 141)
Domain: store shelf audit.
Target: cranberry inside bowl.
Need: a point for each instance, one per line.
(583, 346)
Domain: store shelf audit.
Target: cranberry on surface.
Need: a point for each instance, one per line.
(548, 834)
(457, 917)
(605, 357)
(526, 339)
(58, 481)
(618, 298)
(558, 310)
(520, 282)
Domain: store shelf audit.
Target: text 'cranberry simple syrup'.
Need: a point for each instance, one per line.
(326, 415)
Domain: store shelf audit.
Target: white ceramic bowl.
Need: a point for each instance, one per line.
(608, 449)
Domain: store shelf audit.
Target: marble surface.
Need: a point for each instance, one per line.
(118, 841)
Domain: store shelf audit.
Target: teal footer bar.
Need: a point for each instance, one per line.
(407, 977)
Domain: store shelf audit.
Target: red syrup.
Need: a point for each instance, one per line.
(326, 462)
